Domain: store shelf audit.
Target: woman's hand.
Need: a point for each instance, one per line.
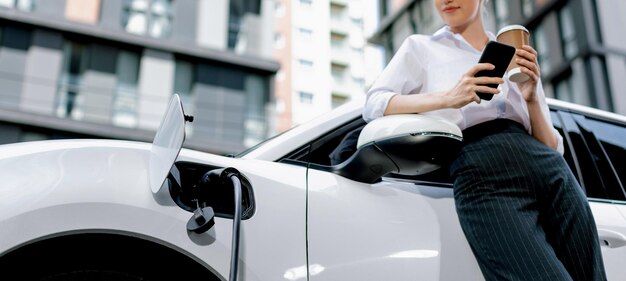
(527, 59)
(465, 90)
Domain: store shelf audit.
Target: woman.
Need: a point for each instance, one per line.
(521, 209)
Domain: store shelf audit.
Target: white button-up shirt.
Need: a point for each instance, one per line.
(434, 63)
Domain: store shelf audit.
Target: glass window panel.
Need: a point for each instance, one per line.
(527, 7)
(501, 13)
(25, 5)
(183, 80)
(125, 100)
(161, 7)
(610, 186)
(7, 3)
(611, 137)
(152, 17)
(543, 49)
(70, 85)
(137, 22)
(564, 90)
(338, 100)
(160, 27)
(306, 97)
(568, 32)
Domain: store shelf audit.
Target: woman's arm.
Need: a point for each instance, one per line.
(542, 129)
(462, 94)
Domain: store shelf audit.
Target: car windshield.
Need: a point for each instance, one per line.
(248, 150)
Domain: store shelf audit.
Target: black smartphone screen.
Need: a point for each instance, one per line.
(500, 56)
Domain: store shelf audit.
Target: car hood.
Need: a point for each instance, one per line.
(65, 171)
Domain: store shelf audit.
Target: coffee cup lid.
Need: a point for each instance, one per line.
(511, 27)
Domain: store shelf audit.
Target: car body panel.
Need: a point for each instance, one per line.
(611, 230)
(369, 231)
(390, 230)
(102, 186)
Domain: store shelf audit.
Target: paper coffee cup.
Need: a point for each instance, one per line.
(516, 36)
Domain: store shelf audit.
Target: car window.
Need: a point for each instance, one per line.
(588, 158)
(570, 157)
(331, 148)
(610, 141)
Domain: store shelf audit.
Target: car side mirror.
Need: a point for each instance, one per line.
(406, 144)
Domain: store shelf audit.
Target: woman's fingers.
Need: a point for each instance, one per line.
(479, 67)
(527, 58)
(486, 90)
(487, 80)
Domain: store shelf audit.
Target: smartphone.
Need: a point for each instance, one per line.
(500, 56)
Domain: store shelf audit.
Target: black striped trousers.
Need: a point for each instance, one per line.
(521, 209)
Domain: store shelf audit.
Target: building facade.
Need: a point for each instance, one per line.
(324, 55)
(581, 43)
(106, 69)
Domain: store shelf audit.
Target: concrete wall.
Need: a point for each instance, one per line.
(212, 23)
(42, 71)
(612, 24)
(111, 14)
(156, 84)
(185, 19)
(51, 8)
(13, 57)
(99, 81)
(85, 11)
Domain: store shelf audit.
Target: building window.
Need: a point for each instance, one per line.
(125, 102)
(359, 81)
(572, 85)
(428, 19)
(151, 17)
(279, 9)
(306, 3)
(238, 9)
(568, 32)
(543, 49)
(305, 64)
(357, 22)
(74, 65)
(337, 41)
(338, 74)
(337, 100)
(183, 83)
(279, 40)
(358, 50)
(24, 5)
(501, 8)
(528, 8)
(305, 31)
(305, 97)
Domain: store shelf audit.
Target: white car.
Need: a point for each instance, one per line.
(381, 208)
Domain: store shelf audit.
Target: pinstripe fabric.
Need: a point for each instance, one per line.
(521, 209)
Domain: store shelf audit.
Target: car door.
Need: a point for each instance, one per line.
(396, 229)
(399, 228)
(596, 152)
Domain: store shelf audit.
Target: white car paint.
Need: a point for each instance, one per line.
(391, 230)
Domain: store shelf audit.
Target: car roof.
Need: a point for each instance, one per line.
(292, 139)
(586, 110)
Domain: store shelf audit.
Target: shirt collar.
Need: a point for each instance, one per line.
(445, 32)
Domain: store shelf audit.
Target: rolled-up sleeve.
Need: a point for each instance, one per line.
(403, 75)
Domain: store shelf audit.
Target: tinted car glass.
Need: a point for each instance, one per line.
(611, 139)
(590, 160)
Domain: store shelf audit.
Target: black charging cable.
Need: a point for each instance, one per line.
(236, 223)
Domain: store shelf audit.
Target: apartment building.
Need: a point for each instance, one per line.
(106, 69)
(324, 55)
(581, 43)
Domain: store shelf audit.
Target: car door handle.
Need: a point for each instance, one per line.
(611, 239)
